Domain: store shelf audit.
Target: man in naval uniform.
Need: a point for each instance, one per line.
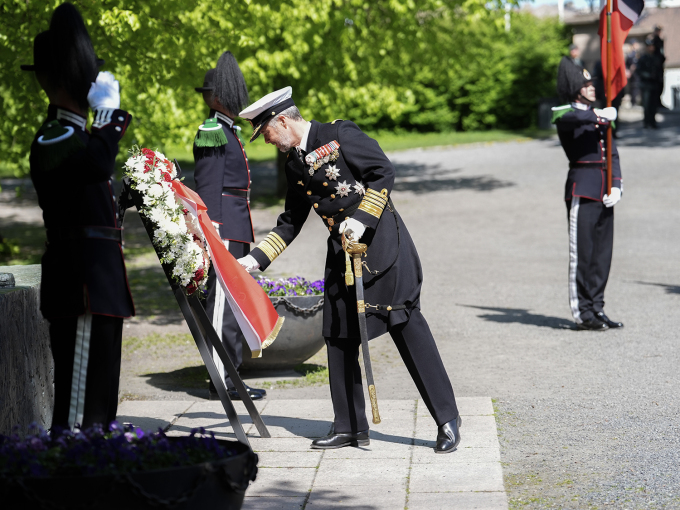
(84, 292)
(590, 211)
(348, 187)
(223, 182)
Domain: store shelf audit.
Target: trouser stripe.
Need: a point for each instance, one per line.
(218, 314)
(79, 378)
(573, 259)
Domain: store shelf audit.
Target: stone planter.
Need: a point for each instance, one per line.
(299, 339)
(215, 485)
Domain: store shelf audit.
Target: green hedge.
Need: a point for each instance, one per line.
(430, 65)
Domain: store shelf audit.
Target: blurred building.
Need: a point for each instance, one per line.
(585, 23)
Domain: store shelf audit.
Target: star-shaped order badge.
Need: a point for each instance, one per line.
(359, 188)
(343, 189)
(332, 172)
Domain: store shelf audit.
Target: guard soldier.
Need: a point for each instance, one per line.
(590, 211)
(650, 71)
(84, 290)
(344, 176)
(223, 182)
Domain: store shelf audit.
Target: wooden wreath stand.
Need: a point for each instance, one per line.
(202, 330)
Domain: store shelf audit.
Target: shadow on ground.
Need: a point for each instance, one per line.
(670, 289)
(421, 178)
(190, 380)
(522, 316)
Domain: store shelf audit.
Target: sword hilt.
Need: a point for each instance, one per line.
(349, 276)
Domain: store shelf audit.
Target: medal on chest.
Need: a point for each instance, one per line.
(322, 155)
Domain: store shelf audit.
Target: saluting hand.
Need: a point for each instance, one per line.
(104, 92)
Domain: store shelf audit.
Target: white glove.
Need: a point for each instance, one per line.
(611, 200)
(104, 92)
(249, 263)
(355, 226)
(606, 113)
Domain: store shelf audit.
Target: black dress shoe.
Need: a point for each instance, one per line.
(593, 324)
(448, 436)
(254, 393)
(341, 440)
(608, 321)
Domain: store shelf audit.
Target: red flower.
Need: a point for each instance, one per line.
(198, 275)
(191, 288)
(185, 210)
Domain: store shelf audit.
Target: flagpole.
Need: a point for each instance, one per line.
(608, 91)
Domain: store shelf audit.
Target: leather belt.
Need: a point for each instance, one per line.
(54, 235)
(238, 192)
(594, 164)
(343, 214)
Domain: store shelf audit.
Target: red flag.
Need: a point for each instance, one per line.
(624, 15)
(253, 310)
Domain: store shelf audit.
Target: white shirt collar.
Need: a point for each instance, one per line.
(580, 106)
(303, 142)
(224, 119)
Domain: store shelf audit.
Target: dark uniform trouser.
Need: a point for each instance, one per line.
(591, 240)
(417, 348)
(103, 369)
(650, 104)
(219, 312)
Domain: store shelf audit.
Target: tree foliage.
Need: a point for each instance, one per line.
(429, 65)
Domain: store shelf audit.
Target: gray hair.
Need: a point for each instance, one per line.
(292, 113)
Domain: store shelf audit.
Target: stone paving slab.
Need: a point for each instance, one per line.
(397, 470)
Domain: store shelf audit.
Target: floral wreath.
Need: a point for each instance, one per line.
(177, 236)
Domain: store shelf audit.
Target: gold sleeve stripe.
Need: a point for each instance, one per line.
(373, 202)
(272, 246)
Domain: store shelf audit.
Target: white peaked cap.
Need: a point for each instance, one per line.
(267, 107)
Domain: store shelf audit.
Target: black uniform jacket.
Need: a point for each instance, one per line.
(584, 138)
(223, 167)
(391, 251)
(74, 190)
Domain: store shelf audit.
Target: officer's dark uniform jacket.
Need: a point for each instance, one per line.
(584, 137)
(226, 165)
(362, 165)
(82, 270)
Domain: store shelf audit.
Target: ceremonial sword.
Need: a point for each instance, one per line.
(356, 250)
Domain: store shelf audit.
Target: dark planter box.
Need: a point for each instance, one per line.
(300, 337)
(214, 485)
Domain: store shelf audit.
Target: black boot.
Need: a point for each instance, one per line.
(612, 324)
(448, 436)
(341, 440)
(594, 324)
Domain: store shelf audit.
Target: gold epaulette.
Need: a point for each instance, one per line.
(373, 202)
(272, 246)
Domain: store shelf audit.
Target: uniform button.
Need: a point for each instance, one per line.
(121, 119)
(316, 206)
(309, 192)
(118, 128)
(330, 229)
(346, 217)
(324, 217)
(341, 210)
(332, 196)
(325, 184)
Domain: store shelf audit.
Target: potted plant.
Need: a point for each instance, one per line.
(301, 302)
(123, 467)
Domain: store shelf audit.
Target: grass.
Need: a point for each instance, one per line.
(389, 141)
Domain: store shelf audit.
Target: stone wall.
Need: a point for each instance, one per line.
(26, 367)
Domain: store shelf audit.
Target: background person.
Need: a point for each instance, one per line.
(223, 182)
(582, 133)
(83, 292)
